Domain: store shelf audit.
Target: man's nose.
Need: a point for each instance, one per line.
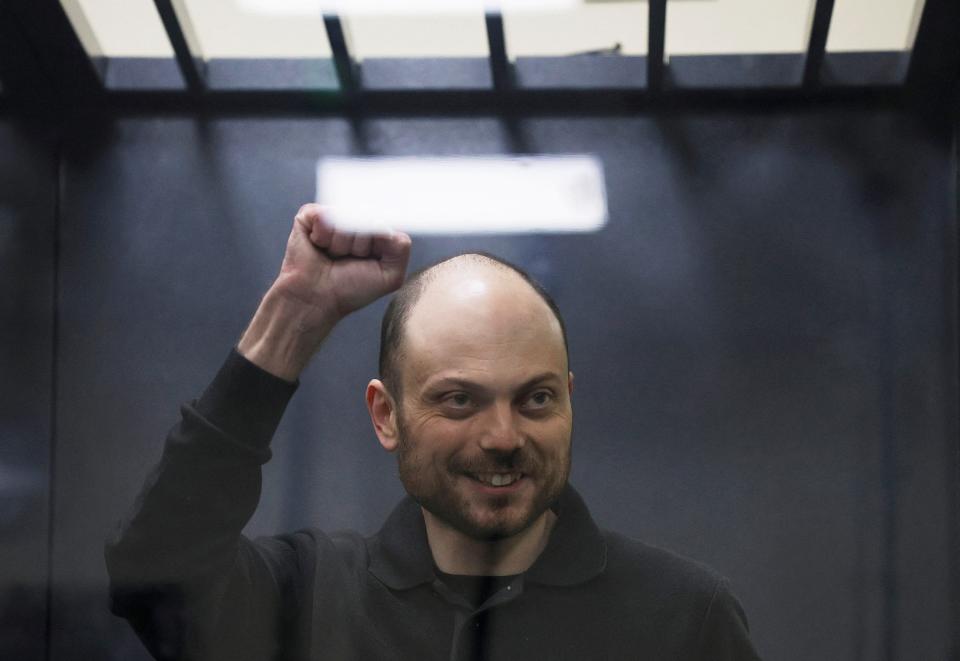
(502, 431)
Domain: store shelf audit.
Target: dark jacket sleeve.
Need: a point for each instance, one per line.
(180, 571)
(725, 634)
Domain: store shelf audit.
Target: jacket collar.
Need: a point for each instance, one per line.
(399, 555)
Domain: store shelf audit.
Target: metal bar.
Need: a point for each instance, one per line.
(184, 42)
(416, 103)
(935, 61)
(656, 40)
(342, 60)
(500, 70)
(85, 33)
(817, 46)
(952, 250)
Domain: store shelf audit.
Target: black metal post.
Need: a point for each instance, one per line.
(181, 35)
(656, 40)
(500, 69)
(342, 60)
(817, 45)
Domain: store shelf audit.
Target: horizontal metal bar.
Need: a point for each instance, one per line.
(472, 103)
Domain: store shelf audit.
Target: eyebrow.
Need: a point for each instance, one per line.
(466, 384)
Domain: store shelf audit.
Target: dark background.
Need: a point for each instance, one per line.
(764, 339)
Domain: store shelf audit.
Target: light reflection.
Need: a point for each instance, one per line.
(455, 195)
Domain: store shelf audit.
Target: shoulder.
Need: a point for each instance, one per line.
(688, 601)
(644, 574)
(660, 573)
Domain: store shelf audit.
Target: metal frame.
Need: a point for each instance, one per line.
(186, 45)
(44, 68)
(346, 68)
(817, 45)
(656, 44)
(501, 71)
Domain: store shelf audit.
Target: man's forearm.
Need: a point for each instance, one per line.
(277, 339)
(326, 274)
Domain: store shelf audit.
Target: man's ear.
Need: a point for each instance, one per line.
(570, 383)
(383, 414)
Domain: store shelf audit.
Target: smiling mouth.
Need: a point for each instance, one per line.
(496, 479)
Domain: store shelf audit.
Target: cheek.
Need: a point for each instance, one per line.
(438, 430)
(432, 440)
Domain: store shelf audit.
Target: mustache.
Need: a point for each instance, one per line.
(517, 461)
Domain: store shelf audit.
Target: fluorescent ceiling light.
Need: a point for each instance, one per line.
(457, 195)
(399, 7)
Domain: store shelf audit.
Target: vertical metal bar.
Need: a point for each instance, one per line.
(953, 451)
(184, 43)
(500, 70)
(656, 39)
(60, 165)
(342, 60)
(85, 33)
(817, 45)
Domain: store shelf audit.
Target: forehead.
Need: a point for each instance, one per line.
(483, 322)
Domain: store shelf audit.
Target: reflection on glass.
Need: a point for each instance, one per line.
(118, 28)
(615, 27)
(701, 27)
(464, 194)
(874, 25)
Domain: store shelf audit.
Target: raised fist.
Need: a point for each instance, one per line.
(326, 275)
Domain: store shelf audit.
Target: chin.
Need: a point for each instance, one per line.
(490, 525)
(486, 532)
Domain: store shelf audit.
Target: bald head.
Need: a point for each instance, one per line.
(460, 296)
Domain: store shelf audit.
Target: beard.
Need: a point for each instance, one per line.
(439, 489)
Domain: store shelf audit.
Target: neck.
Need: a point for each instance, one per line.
(457, 553)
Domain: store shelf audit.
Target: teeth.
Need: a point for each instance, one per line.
(499, 479)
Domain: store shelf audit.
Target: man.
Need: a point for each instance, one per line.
(493, 555)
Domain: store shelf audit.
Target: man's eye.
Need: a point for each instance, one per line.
(538, 399)
(457, 399)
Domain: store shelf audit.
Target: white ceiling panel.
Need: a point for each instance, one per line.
(455, 28)
(716, 27)
(233, 28)
(592, 26)
(122, 28)
(874, 25)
